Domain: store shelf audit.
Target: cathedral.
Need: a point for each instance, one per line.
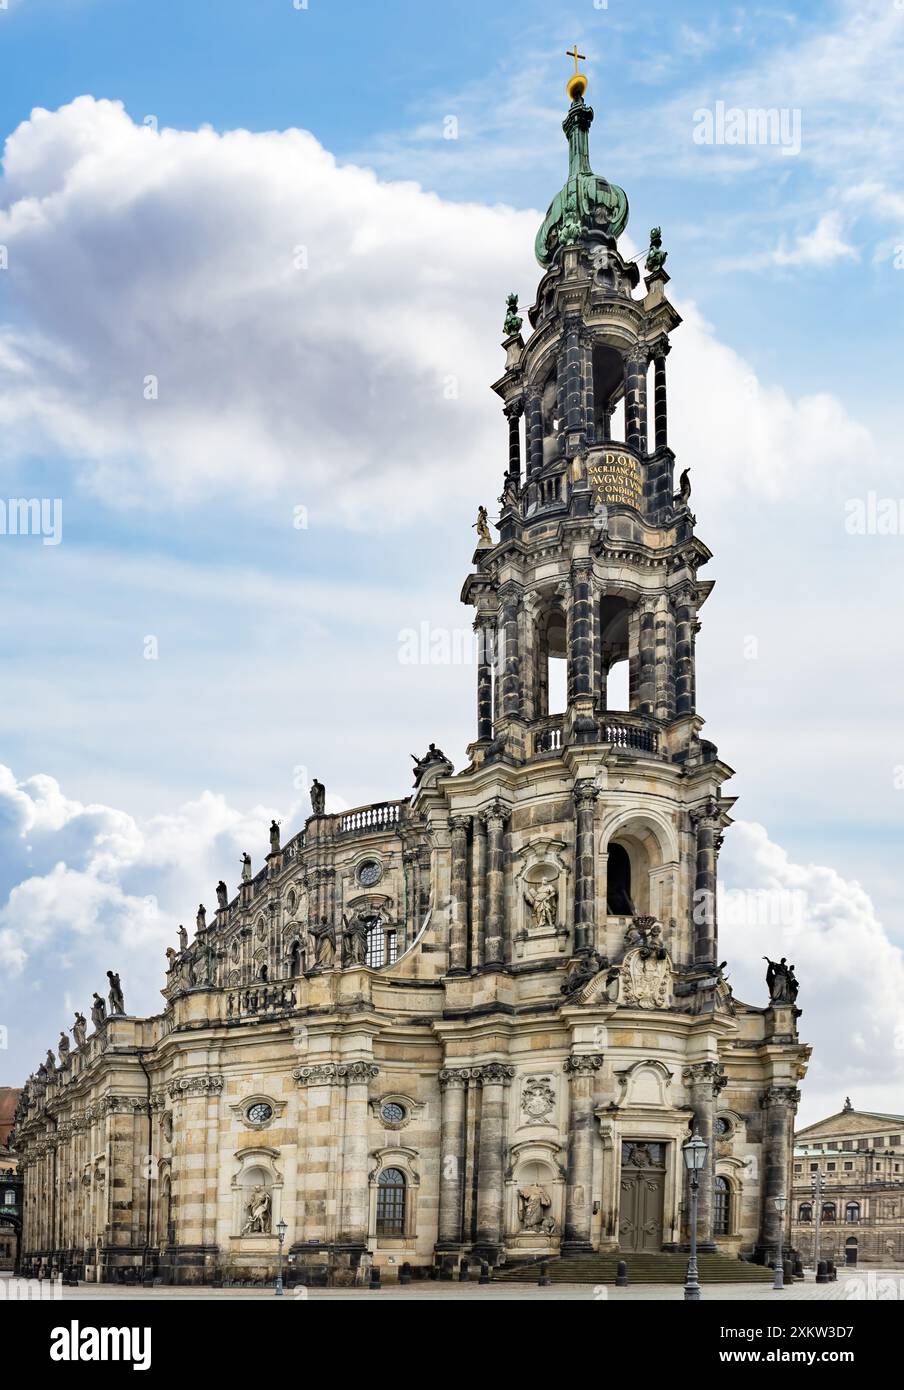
(479, 1022)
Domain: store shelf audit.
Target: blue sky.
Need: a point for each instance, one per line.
(140, 244)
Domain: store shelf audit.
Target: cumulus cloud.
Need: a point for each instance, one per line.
(821, 247)
(851, 974)
(205, 314)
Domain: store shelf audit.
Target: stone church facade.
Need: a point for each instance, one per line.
(481, 1020)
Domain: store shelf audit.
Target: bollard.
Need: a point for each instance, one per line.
(544, 1281)
(484, 1272)
(832, 1271)
(375, 1277)
(464, 1271)
(788, 1271)
(434, 1271)
(822, 1272)
(621, 1275)
(405, 1273)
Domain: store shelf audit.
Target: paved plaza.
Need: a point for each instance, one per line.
(852, 1284)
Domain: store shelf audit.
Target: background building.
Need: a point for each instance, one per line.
(10, 1180)
(860, 1157)
(481, 1020)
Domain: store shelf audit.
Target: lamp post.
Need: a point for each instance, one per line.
(694, 1150)
(780, 1204)
(281, 1228)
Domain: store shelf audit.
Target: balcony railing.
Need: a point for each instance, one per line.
(549, 738)
(629, 733)
(365, 820)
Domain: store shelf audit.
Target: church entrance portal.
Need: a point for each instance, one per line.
(641, 1197)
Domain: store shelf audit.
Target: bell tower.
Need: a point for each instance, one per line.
(596, 569)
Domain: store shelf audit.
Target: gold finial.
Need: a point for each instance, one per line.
(577, 83)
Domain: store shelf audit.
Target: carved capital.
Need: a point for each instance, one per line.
(495, 815)
(454, 1078)
(585, 792)
(184, 1086)
(582, 1064)
(459, 825)
(357, 1073)
(705, 1074)
(780, 1095)
(493, 1074)
(514, 410)
(324, 1074)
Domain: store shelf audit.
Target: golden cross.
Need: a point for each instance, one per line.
(573, 53)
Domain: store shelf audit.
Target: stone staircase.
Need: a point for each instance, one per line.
(647, 1268)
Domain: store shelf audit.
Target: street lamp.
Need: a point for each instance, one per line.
(281, 1228)
(780, 1204)
(694, 1150)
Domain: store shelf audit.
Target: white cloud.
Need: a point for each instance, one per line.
(851, 975)
(821, 247)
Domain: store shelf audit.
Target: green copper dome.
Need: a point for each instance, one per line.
(586, 203)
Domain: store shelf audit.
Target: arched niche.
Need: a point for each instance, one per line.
(256, 1176)
(542, 896)
(535, 1196)
(648, 841)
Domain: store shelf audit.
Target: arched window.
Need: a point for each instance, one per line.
(618, 882)
(721, 1207)
(805, 1213)
(391, 1203)
(852, 1211)
(295, 960)
(828, 1211)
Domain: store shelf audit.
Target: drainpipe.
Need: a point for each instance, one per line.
(150, 1156)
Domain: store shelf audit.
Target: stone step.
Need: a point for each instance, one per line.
(646, 1268)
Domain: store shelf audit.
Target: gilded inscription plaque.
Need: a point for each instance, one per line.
(616, 480)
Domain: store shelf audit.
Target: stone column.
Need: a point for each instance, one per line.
(485, 629)
(779, 1105)
(453, 1083)
(580, 633)
(646, 664)
(355, 1162)
(664, 646)
(660, 399)
(585, 794)
(478, 888)
(704, 1081)
(195, 1102)
(706, 821)
(510, 673)
(458, 935)
(495, 1079)
(636, 400)
(495, 952)
(573, 402)
(513, 414)
(580, 1071)
(685, 632)
(412, 893)
(534, 436)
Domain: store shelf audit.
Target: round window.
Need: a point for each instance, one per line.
(722, 1127)
(369, 873)
(392, 1113)
(260, 1112)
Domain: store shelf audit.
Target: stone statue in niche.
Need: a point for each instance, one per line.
(543, 901)
(534, 1203)
(324, 937)
(538, 1098)
(258, 1213)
